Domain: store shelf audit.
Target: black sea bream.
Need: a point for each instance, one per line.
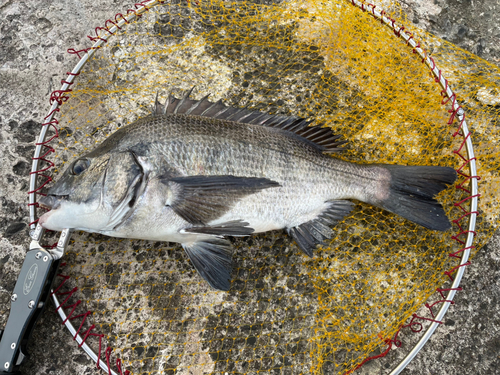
(196, 171)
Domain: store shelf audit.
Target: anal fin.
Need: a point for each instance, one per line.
(212, 259)
(314, 232)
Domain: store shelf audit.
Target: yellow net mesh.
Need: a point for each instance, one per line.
(285, 313)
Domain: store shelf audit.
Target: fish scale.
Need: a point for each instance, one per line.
(196, 171)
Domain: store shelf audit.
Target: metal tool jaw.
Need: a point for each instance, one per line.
(29, 298)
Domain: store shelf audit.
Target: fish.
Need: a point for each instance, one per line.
(195, 172)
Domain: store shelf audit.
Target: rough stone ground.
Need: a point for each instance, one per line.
(34, 36)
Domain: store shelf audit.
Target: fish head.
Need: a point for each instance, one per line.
(95, 193)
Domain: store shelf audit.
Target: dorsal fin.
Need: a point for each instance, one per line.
(321, 138)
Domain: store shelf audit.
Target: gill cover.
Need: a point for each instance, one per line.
(95, 193)
(125, 182)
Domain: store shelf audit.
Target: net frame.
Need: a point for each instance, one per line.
(102, 34)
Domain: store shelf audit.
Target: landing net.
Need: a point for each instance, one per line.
(328, 61)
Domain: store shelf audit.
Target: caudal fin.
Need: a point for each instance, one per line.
(411, 194)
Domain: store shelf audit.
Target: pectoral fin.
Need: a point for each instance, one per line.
(212, 260)
(201, 199)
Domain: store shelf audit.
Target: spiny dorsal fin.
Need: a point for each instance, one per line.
(320, 137)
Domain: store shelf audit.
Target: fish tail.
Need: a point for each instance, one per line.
(411, 194)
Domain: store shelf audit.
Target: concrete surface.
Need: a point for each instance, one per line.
(34, 36)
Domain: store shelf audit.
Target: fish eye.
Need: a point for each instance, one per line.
(80, 166)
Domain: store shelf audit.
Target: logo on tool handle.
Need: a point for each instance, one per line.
(30, 279)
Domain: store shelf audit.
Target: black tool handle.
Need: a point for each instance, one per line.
(27, 302)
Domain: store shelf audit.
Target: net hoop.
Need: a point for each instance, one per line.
(458, 113)
(102, 34)
(56, 99)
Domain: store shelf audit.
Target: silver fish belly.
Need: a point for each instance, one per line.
(198, 171)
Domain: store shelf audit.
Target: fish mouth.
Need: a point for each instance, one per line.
(51, 201)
